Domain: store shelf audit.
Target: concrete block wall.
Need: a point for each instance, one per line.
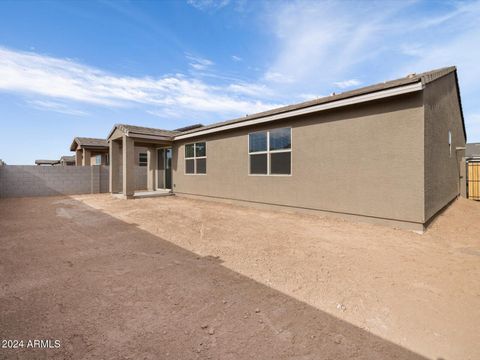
(31, 180)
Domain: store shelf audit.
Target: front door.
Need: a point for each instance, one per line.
(164, 173)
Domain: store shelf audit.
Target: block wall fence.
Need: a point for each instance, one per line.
(32, 180)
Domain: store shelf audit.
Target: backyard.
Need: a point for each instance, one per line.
(179, 278)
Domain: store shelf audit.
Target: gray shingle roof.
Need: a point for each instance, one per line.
(67, 158)
(473, 149)
(47, 162)
(88, 142)
(145, 130)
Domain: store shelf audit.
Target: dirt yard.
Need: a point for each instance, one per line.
(176, 278)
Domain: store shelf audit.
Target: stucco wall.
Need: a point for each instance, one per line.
(442, 170)
(365, 160)
(140, 177)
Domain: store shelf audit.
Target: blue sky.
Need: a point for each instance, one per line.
(76, 68)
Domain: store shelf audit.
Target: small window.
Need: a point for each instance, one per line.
(142, 159)
(450, 142)
(196, 158)
(270, 152)
(98, 160)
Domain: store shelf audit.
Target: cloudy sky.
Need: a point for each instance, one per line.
(76, 68)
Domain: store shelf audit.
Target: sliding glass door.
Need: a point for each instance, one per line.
(164, 172)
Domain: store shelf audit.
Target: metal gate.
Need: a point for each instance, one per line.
(473, 180)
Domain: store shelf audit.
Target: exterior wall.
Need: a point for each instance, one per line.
(362, 160)
(30, 180)
(442, 171)
(93, 158)
(140, 177)
(138, 150)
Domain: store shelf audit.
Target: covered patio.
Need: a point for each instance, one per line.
(158, 143)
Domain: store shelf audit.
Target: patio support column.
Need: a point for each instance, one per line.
(151, 167)
(114, 170)
(78, 157)
(128, 165)
(86, 157)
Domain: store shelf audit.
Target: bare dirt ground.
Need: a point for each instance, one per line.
(175, 278)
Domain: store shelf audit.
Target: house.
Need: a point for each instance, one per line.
(472, 151)
(67, 160)
(386, 153)
(90, 151)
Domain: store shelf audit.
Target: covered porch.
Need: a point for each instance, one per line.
(123, 141)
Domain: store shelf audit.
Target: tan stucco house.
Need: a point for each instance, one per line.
(386, 153)
(90, 151)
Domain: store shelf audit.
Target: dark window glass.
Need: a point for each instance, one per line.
(201, 166)
(201, 149)
(189, 150)
(142, 159)
(280, 163)
(258, 164)
(258, 141)
(280, 139)
(190, 166)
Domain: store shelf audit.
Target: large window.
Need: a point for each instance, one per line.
(270, 152)
(142, 159)
(98, 160)
(196, 158)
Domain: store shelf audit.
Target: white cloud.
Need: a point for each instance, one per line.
(347, 83)
(199, 63)
(62, 80)
(206, 5)
(236, 58)
(258, 91)
(56, 107)
(277, 77)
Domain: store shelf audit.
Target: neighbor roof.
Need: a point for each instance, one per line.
(140, 130)
(472, 150)
(88, 142)
(67, 158)
(47, 162)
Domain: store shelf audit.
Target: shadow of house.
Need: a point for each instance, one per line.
(107, 289)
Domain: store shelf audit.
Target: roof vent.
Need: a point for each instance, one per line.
(332, 94)
(411, 76)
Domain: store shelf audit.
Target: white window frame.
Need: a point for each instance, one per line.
(269, 152)
(98, 159)
(141, 162)
(194, 158)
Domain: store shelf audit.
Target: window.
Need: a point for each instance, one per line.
(270, 152)
(450, 142)
(142, 159)
(98, 160)
(196, 158)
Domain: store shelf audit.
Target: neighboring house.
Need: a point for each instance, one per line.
(90, 151)
(386, 153)
(67, 160)
(47, 162)
(472, 151)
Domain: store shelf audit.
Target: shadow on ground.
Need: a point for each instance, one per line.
(109, 290)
